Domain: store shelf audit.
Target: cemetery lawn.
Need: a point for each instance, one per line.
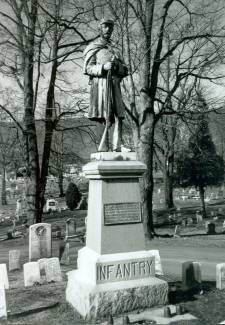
(207, 304)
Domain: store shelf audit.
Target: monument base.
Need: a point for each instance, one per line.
(114, 283)
(115, 273)
(114, 298)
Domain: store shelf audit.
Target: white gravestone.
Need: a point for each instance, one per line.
(65, 259)
(40, 242)
(3, 310)
(158, 264)
(31, 274)
(176, 231)
(52, 270)
(14, 260)
(199, 218)
(4, 276)
(42, 264)
(220, 276)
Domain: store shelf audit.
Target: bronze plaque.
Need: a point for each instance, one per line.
(122, 213)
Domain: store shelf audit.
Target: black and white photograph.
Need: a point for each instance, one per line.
(112, 162)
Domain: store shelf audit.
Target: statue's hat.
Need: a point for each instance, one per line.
(106, 20)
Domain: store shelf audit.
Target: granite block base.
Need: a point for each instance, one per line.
(100, 300)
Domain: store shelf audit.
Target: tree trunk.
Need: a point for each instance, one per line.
(168, 188)
(145, 152)
(29, 122)
(4, 201)
(49, 118)
(60, 179)
(202, 197)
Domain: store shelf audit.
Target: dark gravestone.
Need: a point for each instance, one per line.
(191, 275)
(70, 228)
(211, 228)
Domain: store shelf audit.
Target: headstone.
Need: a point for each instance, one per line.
(42, 263)
(14, 260)
(176, 231)
(70, 227)
(52, 270)
(211, 228)
(212, 213)
(65, 259)
(197, 272)
(167, 312)
(58, 234)
(178, 310)
(158, 264)
(4, 276)
(184, 222)
(3, 309)
(31, 273)
(198, 217)
(220, 276)
(19, 211)
(40, 242)
(191, 274)
(206, 224)
(224, 224)
(189, 221)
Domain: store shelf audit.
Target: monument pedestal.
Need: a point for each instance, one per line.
(115, 273)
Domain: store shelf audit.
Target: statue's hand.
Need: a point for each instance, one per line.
(108, 65)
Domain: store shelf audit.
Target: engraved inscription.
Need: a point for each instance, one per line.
(120, 213)
(125, 270)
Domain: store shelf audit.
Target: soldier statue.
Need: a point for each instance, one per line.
(105, 67)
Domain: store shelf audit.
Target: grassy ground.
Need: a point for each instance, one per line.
(206, 303)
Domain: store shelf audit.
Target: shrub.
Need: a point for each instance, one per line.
(73, 196)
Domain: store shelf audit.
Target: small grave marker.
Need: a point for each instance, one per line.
(70, 228)
(220, 276)
(198, 217)
(211, 228)
(189, 221)
(176, 231)
(158, 264)
(191, 274)
(53, 270)
(197, 272)
(3, 309)
(42, 262)
(4, 276)
(31, 273)
(40, 242)
(14, 260)
(65, 259)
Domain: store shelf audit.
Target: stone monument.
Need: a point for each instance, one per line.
(115, 273)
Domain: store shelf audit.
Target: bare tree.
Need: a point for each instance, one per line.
(195, 32)
(36, 38)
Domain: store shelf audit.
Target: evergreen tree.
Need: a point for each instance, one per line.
(200, 165)
(73, 196)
